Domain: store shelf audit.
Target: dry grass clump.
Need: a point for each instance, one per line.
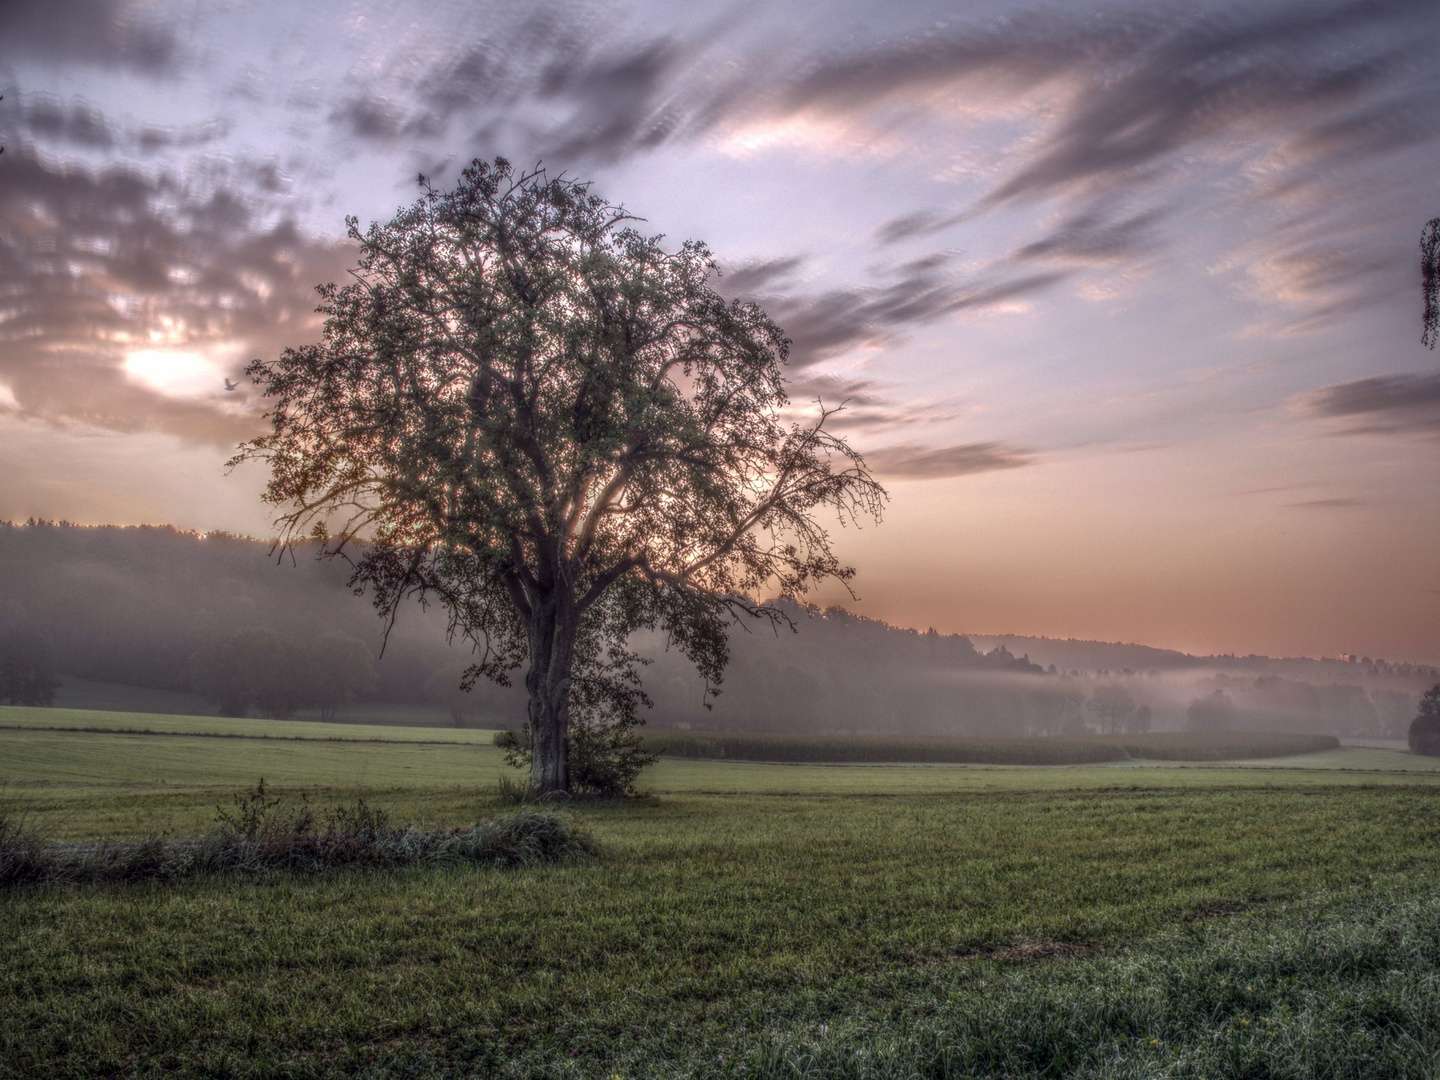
(261, 833)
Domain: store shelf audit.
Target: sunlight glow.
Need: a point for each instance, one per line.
(178, 374)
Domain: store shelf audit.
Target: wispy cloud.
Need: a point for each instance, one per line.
(49, 121)
(910, 462)
(1095, 237)
(1383, 404)
(1118, 114)
(1133, 86)
(1326, 504)
(113, 33)
(829, 324)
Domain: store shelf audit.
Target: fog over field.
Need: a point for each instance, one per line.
(144, 609)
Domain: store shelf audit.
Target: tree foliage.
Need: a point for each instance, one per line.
(525, 409)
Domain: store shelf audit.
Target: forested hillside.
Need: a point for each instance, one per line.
(153, 607)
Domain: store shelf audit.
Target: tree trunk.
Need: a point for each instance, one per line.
(552, 632)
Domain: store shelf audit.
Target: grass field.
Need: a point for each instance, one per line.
(1132, 919)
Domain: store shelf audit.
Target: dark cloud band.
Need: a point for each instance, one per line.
(112, 33)
(928, 463)
(1383, 404)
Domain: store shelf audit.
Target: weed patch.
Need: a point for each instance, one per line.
(263, 833)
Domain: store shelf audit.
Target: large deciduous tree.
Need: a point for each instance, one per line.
(531, 412)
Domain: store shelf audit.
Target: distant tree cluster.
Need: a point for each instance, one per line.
(1272, 703)
(1214, 712)
(1117, 712)
(255, 669)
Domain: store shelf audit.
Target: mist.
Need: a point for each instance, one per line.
(130, 616)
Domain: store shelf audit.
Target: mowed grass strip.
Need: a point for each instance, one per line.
(92, 720)
(708, 921)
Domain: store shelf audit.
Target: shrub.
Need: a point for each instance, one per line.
(605, 759)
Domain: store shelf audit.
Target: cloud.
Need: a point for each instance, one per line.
(111, 276)
(751, 277)
(1127, 87)
(1325, 504)
(1175, 83)
(564, 87)
(1125, 115)
(379, 119)
(47, 120)
(1092, 237)
(1134, 86)
(865, 404)
(111, 33)
(829, 324)
(1382, 404)
(919, 223)
(910, 462)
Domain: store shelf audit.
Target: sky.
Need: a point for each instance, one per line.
(1123, 299)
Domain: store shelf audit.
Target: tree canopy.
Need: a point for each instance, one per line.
(528, 410)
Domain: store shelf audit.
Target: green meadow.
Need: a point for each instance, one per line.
(1223, 919)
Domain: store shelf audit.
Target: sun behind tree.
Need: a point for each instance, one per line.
(529, 411)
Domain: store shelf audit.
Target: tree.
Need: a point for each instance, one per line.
(1113, 707)
(1425, 728)
(1140, 721)
(527, 410)
(1216, 712)
(257, 668)
(252, 668)
(338, 668)
(1056, 709)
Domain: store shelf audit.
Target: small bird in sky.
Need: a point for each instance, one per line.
(231, 385)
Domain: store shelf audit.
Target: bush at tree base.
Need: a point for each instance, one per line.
(605, 759)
